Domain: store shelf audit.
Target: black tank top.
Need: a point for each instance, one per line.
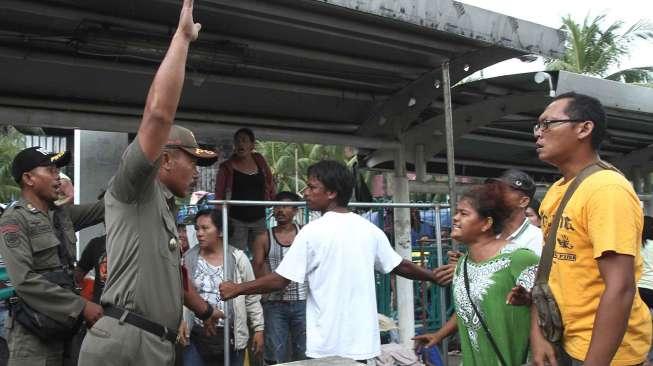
(251, 188)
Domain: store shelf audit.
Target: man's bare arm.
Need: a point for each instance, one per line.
(163, 97)
(268, 283)
(414, 272)
(260, 250)
(542, 352)
(611, 321)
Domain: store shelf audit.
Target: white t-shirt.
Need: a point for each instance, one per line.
(646, 281)
(337, 255)
(526, 236)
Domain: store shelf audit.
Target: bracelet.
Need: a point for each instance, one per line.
(207, 313)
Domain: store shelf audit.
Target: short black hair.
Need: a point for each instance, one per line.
(216, 218)
(586, 108)
(247, 132)
(287, 195)
(336, 178)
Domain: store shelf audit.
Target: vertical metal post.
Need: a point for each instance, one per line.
(420, 163)
(405, 300)
(225, 256)
(441, 289)
(296, 172)
(648, 206)
(448, 131)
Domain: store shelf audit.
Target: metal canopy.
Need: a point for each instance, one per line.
(494, 117)
(334, 72)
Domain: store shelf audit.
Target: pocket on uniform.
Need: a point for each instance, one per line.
(99, 331)
(44, 248)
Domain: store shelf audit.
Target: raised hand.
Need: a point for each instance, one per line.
(187, 26)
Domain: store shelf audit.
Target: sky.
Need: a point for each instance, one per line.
(550, 12)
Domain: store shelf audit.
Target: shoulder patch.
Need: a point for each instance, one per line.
(9, 229)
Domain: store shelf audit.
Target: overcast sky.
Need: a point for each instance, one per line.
(550, 12)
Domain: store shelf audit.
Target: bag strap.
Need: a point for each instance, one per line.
(546, 259)
(478, 314)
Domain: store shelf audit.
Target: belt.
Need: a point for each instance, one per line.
(138, 321)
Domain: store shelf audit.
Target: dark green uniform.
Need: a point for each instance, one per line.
(29, 245)
(144, 266)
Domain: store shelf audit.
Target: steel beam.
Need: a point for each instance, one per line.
(449, 138)
(404, 106)
(310, 54)
(470, 117)
(642, 157)
(44, 57)
(467, 22)
(198, 116)
(120, 123)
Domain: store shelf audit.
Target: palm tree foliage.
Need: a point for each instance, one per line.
(593, 49)
(290, 172)
(637, 75)
(10, 145)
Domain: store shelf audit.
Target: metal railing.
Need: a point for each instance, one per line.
(225, 230)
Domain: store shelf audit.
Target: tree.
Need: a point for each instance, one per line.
(637, 75)
(10, 145)
(592, 49)
(289, 161)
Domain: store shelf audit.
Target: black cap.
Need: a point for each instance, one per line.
(36, 156)
(517, 180)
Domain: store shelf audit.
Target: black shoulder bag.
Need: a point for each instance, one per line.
(480, 318)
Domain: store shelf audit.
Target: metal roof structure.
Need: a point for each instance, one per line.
(353, 72)
(366, 73)
(493, 120)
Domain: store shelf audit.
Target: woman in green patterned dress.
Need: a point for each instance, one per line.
(492, 332)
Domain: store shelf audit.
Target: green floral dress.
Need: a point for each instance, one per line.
(490, 282)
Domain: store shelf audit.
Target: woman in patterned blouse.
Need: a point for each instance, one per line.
(492, 332)
(205, 265)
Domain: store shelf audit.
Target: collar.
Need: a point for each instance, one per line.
(520, 230)
(169, 197)
(22, 202)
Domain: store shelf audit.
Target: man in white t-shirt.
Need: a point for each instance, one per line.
(337, 255)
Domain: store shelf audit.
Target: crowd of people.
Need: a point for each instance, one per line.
(576, 291)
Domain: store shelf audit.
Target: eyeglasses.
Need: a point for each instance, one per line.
(546, 124)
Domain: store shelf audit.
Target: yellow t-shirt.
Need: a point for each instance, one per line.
(603, 214)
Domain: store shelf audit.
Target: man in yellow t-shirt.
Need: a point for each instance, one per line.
(596, 261)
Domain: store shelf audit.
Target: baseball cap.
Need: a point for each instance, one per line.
(182, 138)
(517, 180)
(32, 157)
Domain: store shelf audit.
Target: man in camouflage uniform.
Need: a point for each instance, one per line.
(146, 287)
(37, 238)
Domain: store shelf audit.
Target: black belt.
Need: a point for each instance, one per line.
(138, 321)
